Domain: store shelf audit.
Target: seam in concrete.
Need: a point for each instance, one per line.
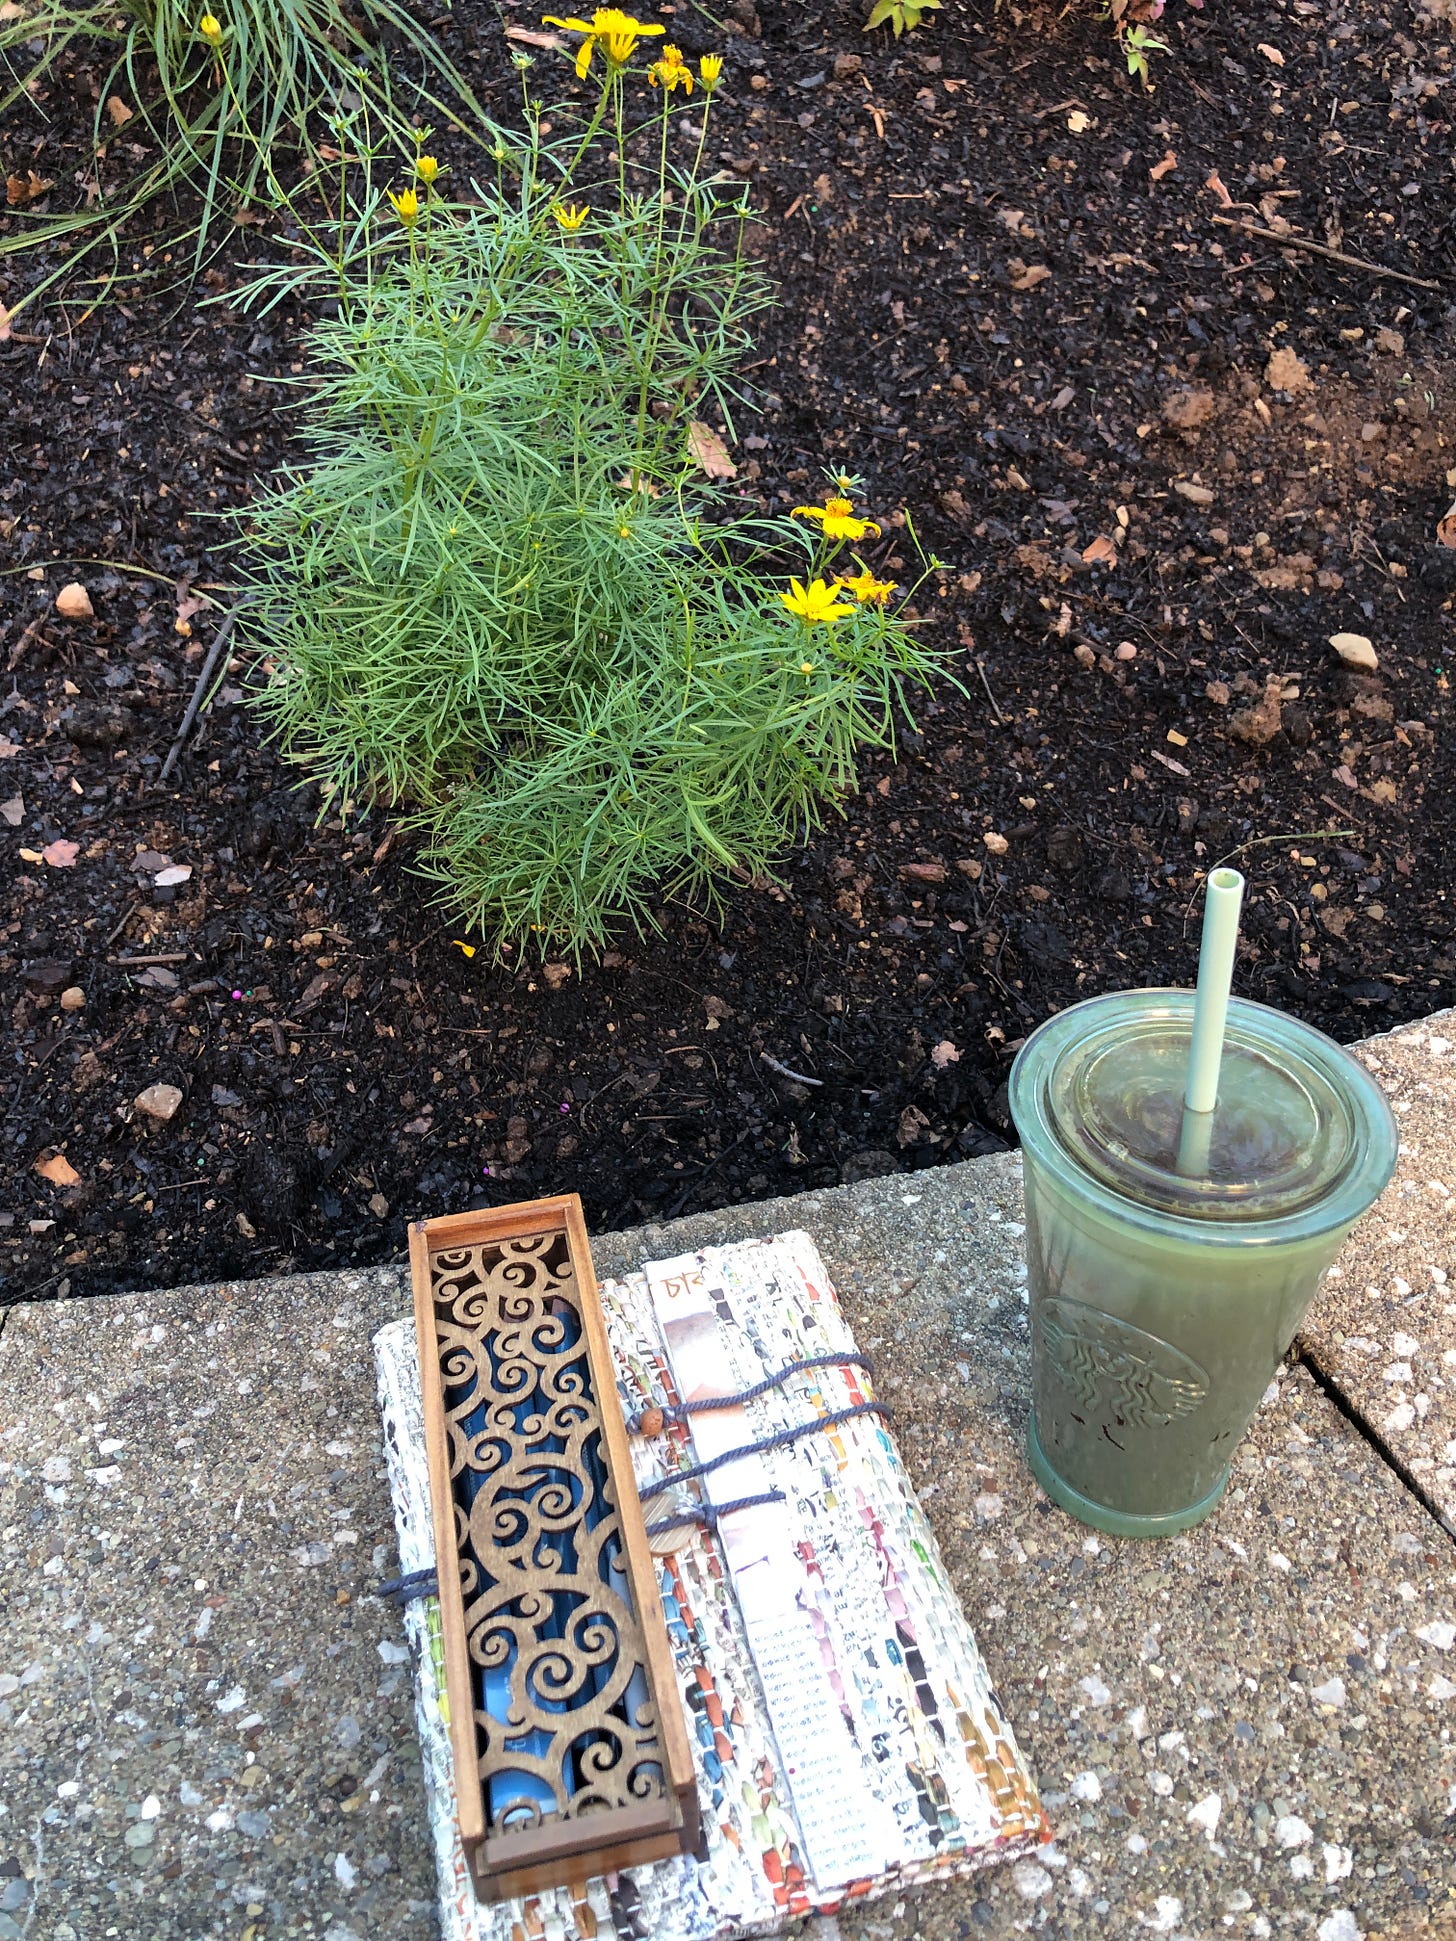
(1368, 1433)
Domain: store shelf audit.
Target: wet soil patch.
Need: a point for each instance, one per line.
(1163, 462)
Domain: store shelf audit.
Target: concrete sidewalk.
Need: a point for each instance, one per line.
(206, 1720)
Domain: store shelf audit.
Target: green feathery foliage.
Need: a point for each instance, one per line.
(499, 595)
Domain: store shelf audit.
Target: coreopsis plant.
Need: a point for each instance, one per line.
(499, 594)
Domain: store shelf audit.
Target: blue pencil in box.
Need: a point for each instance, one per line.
(570, 1751)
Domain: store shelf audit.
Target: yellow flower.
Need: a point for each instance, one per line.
(710, 67)
(868, 590)
(570, 218)
(426, 168)
(806, 667)
(467, 949)
(618, 33)
(210, 30)
(836, 519)
(406, 206)
(815, 602)
(672, 71)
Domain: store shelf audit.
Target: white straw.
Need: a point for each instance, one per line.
(1215, 976)
(1210, 1017)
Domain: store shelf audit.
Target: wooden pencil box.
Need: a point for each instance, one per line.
(570, 1752)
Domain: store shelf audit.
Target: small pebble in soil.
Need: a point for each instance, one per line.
(158, 1102)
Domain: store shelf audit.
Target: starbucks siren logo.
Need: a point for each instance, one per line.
(1107, 1362)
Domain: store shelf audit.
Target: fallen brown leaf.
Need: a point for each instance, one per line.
(1027, 277)
(1101, 552)
(1271, 53)
(61, 854)
(945, 1053)
(118, 110)
(58, 1170)
(530, 38)
(187, 605)
(708, 452)
(20, 190)
(1446, 529)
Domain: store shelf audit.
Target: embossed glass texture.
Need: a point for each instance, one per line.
(564, 1717)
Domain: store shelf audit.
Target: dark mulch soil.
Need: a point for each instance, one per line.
(1040, 836)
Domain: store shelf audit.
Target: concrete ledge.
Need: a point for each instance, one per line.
(205, 1723)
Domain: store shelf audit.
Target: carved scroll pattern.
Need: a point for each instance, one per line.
(564, 1718)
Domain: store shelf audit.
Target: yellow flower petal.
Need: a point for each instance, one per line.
(868, 590)
(836, 519)
(816, 603)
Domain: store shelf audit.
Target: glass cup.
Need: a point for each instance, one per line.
(1162, 1301)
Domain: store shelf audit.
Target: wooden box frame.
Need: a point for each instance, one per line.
(558, 1850)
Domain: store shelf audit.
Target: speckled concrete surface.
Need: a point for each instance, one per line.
(1385, 1330)
(1285, 1661)
(206, 1727)
(1269, 1660)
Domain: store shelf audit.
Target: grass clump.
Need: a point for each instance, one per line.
(501, 595)
(220, 103)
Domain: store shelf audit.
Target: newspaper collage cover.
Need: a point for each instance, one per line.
(847, 1739)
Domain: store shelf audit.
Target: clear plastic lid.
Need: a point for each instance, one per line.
(1299, 1128)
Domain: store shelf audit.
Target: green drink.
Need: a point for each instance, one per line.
(1163, 1300)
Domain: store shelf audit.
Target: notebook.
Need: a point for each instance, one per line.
(847, 1739)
